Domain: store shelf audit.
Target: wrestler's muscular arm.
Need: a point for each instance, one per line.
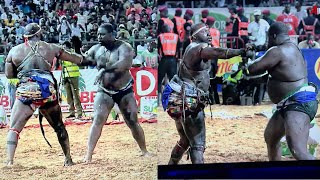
(60, 53)
(10, 68)
(220, 53)
(125, 59)
(266, 62)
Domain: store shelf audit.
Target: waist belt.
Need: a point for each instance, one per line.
(113, 92)
(304, 94)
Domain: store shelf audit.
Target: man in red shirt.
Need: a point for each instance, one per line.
(289, 19)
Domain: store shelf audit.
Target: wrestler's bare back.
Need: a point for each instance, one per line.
(120, 57)
(47, 51)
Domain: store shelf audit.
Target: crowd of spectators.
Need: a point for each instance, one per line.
(133, 20)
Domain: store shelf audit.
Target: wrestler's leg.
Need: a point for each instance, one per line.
(53, 115)
(19, 116)
(297, 126)
(195, 130)
(103, 104)
(273, 133)
(181, 146)
(129, 110)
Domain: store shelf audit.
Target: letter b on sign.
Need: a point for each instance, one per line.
(146, 83)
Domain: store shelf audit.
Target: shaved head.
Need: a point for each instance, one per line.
(278, 28)
(200, 32)
(196, 27)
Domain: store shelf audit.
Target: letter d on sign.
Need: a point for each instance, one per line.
(141, 82)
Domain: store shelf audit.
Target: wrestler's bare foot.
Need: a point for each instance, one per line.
(146, 154)
(87, 159)
(68, 162)
(9, 163)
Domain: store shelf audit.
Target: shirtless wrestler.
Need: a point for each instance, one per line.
(31, 63)
(189, 91)
(113, 59)
(288, 87)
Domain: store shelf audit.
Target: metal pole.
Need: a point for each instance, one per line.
(244, 3)
(192, 4)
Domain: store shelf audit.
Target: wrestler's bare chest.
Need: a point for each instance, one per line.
(103, 55)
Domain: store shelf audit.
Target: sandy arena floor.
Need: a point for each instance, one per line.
(235, 136)
(117, 156)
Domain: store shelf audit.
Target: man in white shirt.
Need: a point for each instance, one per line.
(257, 31)
(5, 13)
(82, 18)
(300, 14)
(76, 28)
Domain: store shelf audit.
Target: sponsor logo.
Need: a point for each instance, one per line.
(317, 68)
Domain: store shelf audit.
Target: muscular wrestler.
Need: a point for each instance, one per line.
(113, 59)
(288, 87)
(31, 63)
(188, 91)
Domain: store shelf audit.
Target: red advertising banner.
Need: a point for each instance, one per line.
(145, 82)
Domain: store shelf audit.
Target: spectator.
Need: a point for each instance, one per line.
(266, 16)
(204, 15)
(290, 19)
(142, 32)
(19, 31)
(142, 47)
(153, 32)
(310, 21)
(134, 14)
(300, 14)
(309, 43)
(123, 34)
(64, 29)
(86, 4)
(17, 15)
(132, 24)
(76, 28)
(61, 11)
(5, 13)
(164, 19)
(25, 8)
(242, 17)
(168, 47)
(150, 56)
(187, 38)
(231, 20)
(144, 21)
(188, 16)
(9, 21)
(258, 30)
(178, 24)
(214, 33)
(33, 18)
(71, 76)
(92, 35)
